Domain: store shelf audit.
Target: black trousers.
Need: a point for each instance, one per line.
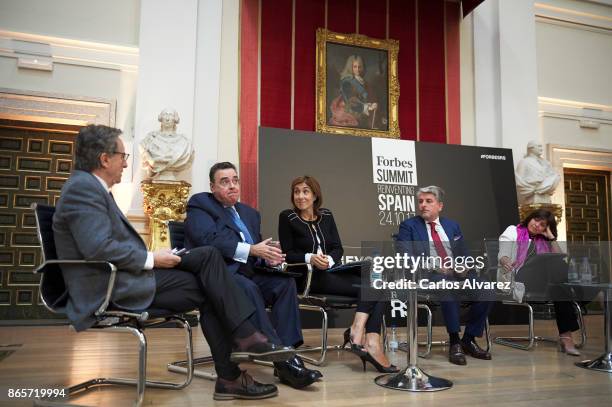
(348, 283)
(202, 281)
(543, 282)
(282, 326)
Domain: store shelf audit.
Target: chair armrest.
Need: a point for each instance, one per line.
(285, 266)
(313, 301)
(111, 280)
(40, 268)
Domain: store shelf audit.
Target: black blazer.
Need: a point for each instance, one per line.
(297, 236)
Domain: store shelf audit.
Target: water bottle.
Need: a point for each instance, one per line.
(393, 342)
(375, 274)
(585, 271)
(572, 272)
(594, 272)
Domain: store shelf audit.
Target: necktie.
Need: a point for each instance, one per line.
(437, 241)
(238, 222)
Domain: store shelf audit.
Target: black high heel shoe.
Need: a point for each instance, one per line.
(359, 350)
(382, 369)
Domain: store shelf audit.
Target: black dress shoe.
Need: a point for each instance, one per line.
(293, 373)
(257, 346)
(456, 355)
(300, 362)
(358, 350)
(244, 387)
(475, 351)
(377, 365)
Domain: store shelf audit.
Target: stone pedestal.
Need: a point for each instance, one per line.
(163, 201)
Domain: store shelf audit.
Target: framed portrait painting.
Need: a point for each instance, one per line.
(357, 85)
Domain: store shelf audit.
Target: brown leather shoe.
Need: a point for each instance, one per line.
(244, 387)
(475, 351)
(456, 355)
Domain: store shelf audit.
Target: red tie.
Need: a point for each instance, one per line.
(437, 241)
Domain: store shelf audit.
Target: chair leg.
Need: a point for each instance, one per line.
(189, 365)
(583, 333)
(140, 382)
(429, 342)
(179, 367)
(512, 341)
(142, 366)
(487, 329)
(531, 339)
(404, 346)
(383, 333)
(324, 347)
(189, 360)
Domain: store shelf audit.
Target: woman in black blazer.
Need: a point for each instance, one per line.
(308, 234)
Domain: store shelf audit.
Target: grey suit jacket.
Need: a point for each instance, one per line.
(88, 225)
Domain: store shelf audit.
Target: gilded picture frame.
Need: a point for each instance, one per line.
(357, 87)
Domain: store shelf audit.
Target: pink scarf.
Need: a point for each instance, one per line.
(522, 237)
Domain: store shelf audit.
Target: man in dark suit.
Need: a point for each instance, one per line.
(219, 220)
(431, 235)
(88, 225)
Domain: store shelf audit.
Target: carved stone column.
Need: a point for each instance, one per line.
(163, 201)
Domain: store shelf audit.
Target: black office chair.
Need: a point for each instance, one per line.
(54, 295)
(534, 298)
(322, 303)
(177, 234)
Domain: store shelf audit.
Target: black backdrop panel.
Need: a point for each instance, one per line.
(479, 185)
(480, 193)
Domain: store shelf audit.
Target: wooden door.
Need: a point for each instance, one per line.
(35, 161)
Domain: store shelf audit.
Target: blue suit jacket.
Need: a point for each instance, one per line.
(415, 240)
(208, 223)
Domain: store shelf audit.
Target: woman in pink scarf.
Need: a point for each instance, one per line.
(537, 234)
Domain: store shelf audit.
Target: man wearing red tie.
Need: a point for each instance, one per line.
(434, 237)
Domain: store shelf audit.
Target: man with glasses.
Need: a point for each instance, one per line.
(89, 225)
(216, 218)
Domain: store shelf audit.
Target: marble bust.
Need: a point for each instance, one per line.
(536, 180)
(165, 152)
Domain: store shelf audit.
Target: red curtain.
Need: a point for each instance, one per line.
(283, 46)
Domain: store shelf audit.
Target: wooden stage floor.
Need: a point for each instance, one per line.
(56, 356)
